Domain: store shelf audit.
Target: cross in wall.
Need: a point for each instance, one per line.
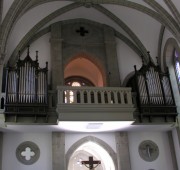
(82, 31)
(149, 151)
(91, 163)
(27, 153)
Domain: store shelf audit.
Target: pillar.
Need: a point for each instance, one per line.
(1, 149)
(1, 9)
(172, 150)
(122, 149)
(178, 134)
(113, 77)
(57, 74)
(58, 151)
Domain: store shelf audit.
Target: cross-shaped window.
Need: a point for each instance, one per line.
(27, 153)
(82, 31)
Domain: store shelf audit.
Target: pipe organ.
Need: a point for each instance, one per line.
(26, 87)
(154, 93)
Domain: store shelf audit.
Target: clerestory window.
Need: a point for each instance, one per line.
(177, 67)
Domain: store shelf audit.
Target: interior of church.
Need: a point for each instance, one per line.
(90, 84)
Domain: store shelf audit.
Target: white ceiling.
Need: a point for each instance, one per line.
(143, 26)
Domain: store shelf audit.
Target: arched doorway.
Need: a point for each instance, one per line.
(91, 146)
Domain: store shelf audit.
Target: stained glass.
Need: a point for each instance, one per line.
(177, 67)
(76, 84)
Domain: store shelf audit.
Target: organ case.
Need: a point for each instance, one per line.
(26, 87)
(154, 93)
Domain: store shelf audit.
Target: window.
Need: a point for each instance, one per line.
(78, 81)
(75, 81)
(177, 66)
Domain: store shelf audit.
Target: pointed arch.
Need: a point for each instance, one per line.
(127, 78)
(95, 140)
(170, 45)
(92, 62)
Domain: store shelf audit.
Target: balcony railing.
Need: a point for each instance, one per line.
(89, 104)
(94, 103)
(94, 95)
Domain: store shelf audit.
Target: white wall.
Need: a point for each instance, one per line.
(126, 57)
(42, 45)
(144, 27)
(12, 140)
(71, 138)
(163, 162)
(30, 19)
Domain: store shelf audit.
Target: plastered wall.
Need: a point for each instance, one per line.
(71, 138)
(12, 140)
(163, 162)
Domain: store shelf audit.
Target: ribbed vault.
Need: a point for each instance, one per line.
(155, 10)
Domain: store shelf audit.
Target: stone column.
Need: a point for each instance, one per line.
(178, 134)
(2, 57)
(56, 56)
(1, 9)
(113, 77)
(58, 151)
(122, 147)
(1, 149)
(172, 150)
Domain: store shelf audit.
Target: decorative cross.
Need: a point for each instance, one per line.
(149, 151)
(82, 31)
(27, 153)
(91, 163)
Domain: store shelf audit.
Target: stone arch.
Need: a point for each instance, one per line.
(96, 140)
(8, 24)
(130, 75)
(34, 36)
(10, 20)
(94, 60)
(125, 28)
(170, 46)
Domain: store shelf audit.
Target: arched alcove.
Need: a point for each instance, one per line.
(83, 67)
(170, 46)
(168, 62)
(91, 146)
(127, 79)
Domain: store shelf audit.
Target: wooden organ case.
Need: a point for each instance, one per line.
(26, 88)
(155, 100)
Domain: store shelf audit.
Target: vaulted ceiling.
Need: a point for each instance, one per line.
(143, 25)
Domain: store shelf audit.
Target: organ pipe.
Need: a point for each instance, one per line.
(153, 86)
(26, 82)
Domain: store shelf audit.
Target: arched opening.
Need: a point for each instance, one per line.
(82, 68)
(91, 146)
(170, 54)
(83, 152)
